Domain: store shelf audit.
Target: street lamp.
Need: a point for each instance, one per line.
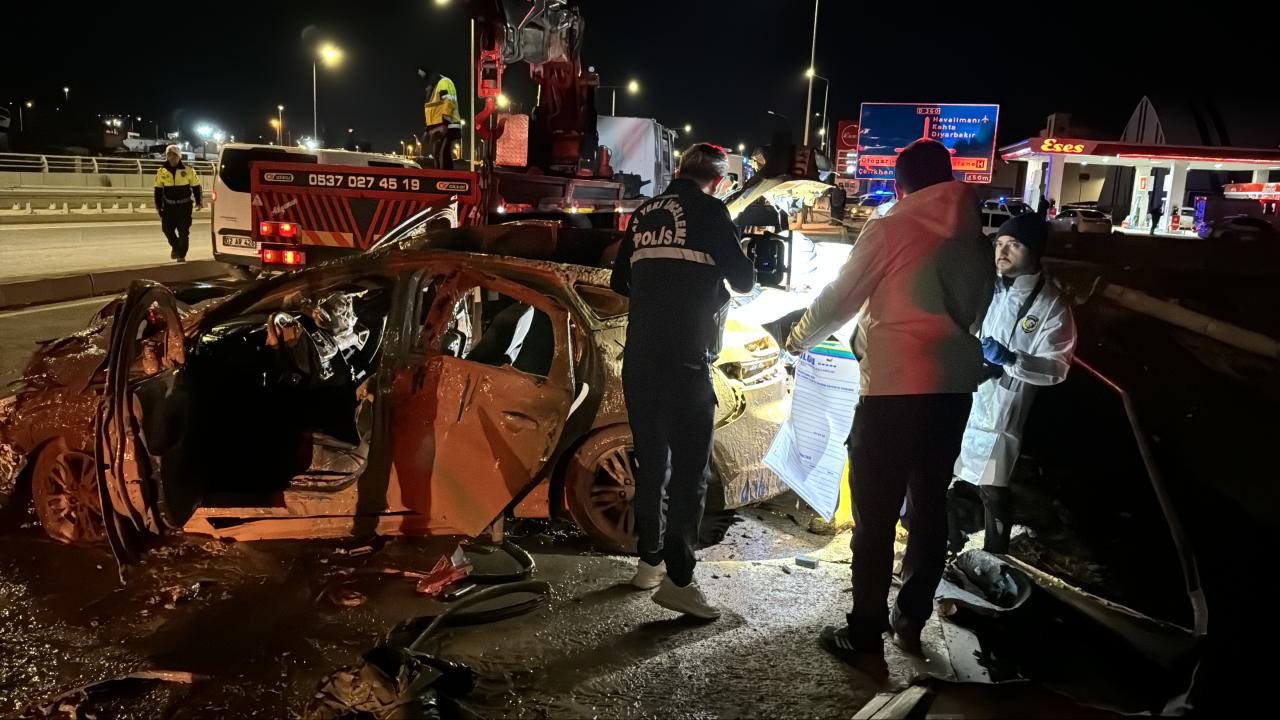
(632, 88)
(813, 52)
(203, 132)
(826, 95)
(742, 147)
(279, 124)
(66, 93)
(275, 125)
(22, 125)
(331, 56)
(688, 128)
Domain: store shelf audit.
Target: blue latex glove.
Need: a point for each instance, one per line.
(997, 354)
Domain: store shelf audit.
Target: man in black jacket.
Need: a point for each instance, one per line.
(679, 250)
(177, 186)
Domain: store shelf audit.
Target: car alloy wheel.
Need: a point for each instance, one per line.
(64, 489)
(600, 487)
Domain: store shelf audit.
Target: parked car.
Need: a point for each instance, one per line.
(865, 205)
(1239, 227)
(996, 211)
(1007, 206)
(1186, 218)
(1074, 220)
(432, 386)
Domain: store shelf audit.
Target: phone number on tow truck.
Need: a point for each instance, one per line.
(363, 182)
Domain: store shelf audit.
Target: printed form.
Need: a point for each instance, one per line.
(809, 452)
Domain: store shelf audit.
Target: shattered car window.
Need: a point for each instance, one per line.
(491, 328)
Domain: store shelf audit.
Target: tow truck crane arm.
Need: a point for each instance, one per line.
(546, 35)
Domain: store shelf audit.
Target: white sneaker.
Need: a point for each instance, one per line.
(648, 576)
(688, 600)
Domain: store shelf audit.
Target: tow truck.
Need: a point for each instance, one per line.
(305, 214)
(547, 165)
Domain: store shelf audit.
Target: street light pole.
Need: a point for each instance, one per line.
(826, 96)
(280, 125)
(315, 106)
(813, 54)
(471, 121)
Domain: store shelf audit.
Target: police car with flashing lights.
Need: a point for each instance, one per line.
(997, 210)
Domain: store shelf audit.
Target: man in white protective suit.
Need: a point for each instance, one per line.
(1028, 340)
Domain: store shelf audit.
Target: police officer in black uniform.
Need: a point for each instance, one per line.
(177, 186)
(679, 250)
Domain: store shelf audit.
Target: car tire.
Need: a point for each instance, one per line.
(599, 487)
(64, 491)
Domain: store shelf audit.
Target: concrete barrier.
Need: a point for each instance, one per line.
(130, 212)
(75, 286)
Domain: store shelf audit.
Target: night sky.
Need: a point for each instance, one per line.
(717, 64)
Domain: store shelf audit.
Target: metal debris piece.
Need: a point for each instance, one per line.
(446, 572)
(67, 705)
(389, 683)
(345, 596)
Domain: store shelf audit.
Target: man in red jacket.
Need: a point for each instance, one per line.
(920, 281)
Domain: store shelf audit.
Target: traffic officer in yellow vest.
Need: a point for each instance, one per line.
(177, 188)
(1028, 340)
(441, 114)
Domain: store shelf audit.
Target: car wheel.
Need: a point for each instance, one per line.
(600, 487)
(64, 489)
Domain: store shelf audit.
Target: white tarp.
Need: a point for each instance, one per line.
(809, 452)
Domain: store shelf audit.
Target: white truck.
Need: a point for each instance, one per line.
(642, 147)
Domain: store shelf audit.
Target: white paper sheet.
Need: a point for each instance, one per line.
(809, 451)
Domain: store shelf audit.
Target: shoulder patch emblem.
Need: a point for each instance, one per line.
(1030, 323)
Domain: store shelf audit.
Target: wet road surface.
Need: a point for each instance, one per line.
(44, 249)
(259, 620)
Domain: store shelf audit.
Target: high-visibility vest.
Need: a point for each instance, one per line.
(176, 184)
(439, 111)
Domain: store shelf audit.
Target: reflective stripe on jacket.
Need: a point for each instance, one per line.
(177, 186)
(1044, 340)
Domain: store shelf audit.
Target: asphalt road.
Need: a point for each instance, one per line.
(43, 250)
(21, 329)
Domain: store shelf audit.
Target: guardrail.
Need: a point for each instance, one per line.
(22, 162)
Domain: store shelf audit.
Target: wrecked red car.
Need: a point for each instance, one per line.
(410, 390)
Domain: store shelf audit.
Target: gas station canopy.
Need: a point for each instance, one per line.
(1047, 158)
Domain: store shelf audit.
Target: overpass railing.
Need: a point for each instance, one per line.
(22, 162)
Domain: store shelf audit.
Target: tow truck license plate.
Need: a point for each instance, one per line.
(239, 241)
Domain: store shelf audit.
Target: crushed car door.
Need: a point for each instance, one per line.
(476, 419)
(140, 423)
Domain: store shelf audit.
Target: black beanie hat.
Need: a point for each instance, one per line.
(1029, 229)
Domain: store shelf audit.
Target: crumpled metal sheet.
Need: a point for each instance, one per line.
(983, 583)
(389, 684)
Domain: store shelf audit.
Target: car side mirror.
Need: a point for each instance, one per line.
(453, 342)
(768, 252)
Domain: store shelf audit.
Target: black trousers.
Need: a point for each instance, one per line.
(672, 411)
(995, 517)
(900, 444)
(176, 225)
(997, 503)
(440, 139)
